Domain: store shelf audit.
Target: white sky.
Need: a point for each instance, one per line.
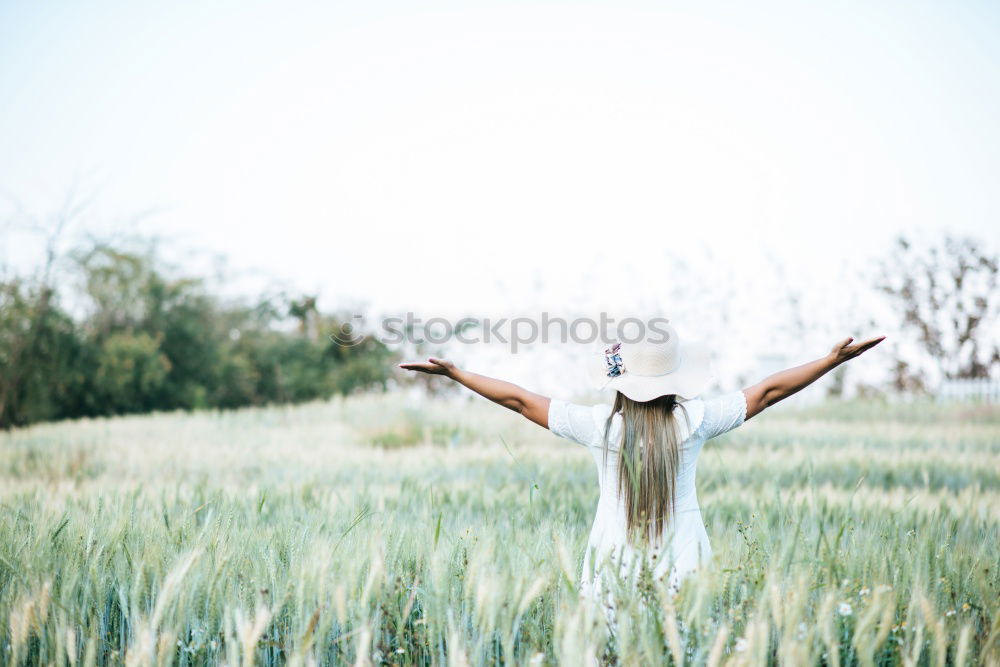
(487, 157)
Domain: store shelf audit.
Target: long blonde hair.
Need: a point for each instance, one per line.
(648, 461)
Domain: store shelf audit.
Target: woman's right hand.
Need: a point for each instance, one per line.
(844, 351)
(784, 383)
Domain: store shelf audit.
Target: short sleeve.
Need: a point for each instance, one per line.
(723, 413)
(579, 423)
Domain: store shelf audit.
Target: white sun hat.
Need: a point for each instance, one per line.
(655, 365)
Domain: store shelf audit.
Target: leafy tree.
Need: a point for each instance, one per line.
(40, 357)
(131, 373)
(151, 340)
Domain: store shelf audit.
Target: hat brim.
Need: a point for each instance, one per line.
(687, 382)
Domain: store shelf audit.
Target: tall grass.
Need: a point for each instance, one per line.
(381, 531)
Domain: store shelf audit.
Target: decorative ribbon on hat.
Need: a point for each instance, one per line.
(613, 360)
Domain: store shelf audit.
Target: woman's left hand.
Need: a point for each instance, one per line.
(534, 407)
(432, 366)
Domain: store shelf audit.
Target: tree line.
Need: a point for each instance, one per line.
(115, 330)
(145, 339)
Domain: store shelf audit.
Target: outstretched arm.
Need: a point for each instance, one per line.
(532, 406)
(787, 382)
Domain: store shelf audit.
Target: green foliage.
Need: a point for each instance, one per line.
(131, 372)
(42, 360)
(149, 341)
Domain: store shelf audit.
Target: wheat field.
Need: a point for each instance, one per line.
(387, 530)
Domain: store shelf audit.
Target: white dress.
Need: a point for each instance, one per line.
(684, 545)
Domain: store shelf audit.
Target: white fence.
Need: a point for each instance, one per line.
(969, 390)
